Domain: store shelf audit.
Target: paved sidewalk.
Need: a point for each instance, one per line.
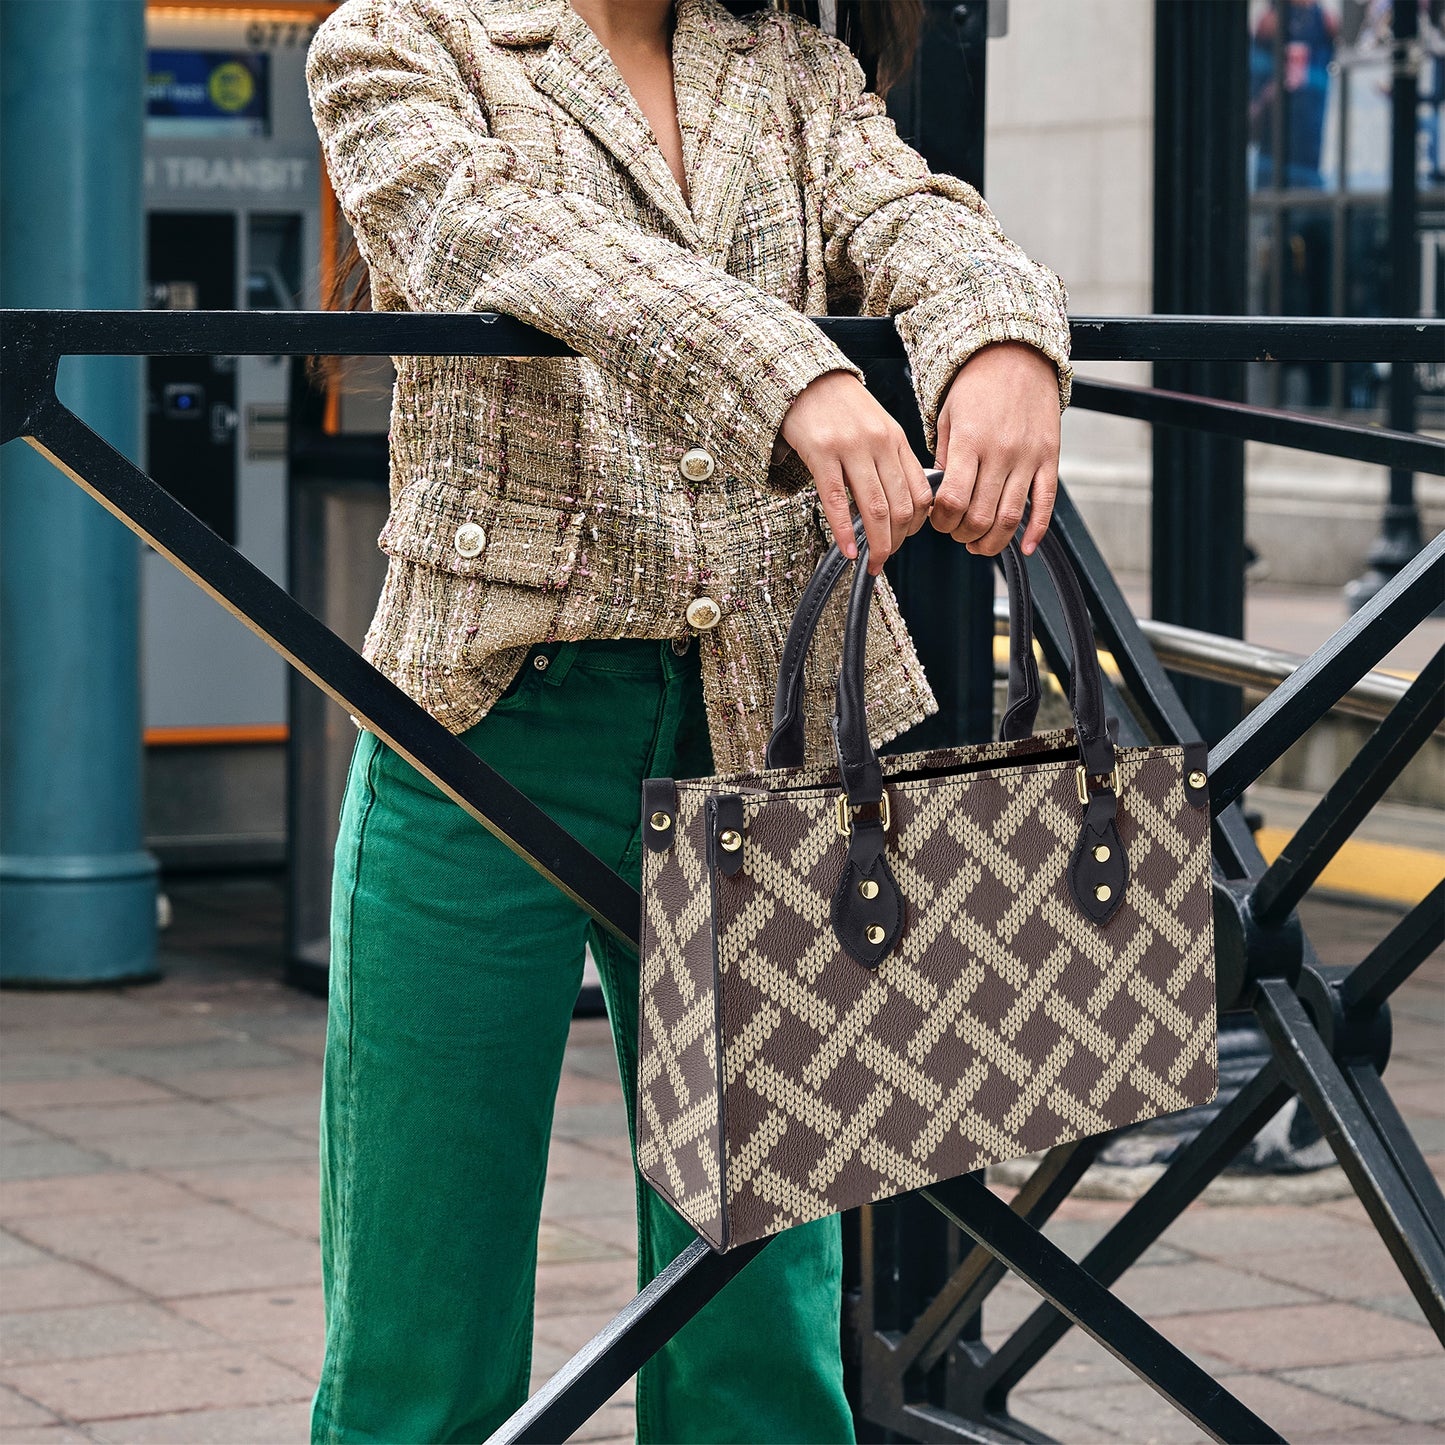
(160, 1272)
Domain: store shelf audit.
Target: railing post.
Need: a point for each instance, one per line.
(1200, 251)
(940, 109)
(77, 889)
(1400, 535)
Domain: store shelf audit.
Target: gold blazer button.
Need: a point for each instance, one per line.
(696, 465)
(703, 613)
(470, 539)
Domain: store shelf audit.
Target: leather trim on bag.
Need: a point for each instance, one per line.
(852, 914)
(725, 1228)
(725, 821)
(1196, 760)
(659, 797)
(1087, 872)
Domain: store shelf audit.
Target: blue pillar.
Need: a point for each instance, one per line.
(77, 888)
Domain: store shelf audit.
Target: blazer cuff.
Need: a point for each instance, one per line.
(940, 334)
(768, 459)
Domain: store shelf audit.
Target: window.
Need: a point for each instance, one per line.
(1321, 74)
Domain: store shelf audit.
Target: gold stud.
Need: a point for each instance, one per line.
(1101, 853)
(1103, 893)
(868, 888)
(1197, 779)
(731, 840)
(660, 822)
(875, 933)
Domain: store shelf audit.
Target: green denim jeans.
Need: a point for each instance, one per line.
(454, 970)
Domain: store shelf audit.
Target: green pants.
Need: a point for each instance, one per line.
(454, 969)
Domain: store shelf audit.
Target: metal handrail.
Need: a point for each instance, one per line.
(1248, 664)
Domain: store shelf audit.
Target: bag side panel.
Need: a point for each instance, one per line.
(679, 1149)
(1005, 1022)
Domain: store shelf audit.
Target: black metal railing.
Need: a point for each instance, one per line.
(917, 1361)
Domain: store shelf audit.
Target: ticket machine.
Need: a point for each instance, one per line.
(233, 204)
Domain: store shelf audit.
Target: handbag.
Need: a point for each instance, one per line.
(864, 977)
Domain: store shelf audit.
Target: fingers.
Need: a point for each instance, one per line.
(919, 491)
(1045, 490)
(1009, 495)
(852, 446)
(955, 493)
(874, 506)
(834, 498)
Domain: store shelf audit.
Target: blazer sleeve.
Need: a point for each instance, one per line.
(458, 220)
(925, 249)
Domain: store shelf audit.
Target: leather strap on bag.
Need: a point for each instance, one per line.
(867, 909)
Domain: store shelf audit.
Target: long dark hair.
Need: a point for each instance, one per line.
(883, 34)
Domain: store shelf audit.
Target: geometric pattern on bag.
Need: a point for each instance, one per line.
(1004, 1028)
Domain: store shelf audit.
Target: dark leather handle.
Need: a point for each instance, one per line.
(786, 747)
(857, 762)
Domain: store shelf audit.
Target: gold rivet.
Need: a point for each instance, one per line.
(1103, 893)
(1197, 779)
(868, 888)
(875, 933)
(660, 822)
(731, 840)
(1101, 852)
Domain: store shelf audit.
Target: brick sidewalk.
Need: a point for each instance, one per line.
(160, 1270)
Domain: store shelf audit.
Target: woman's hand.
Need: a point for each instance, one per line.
(998, 443)
(851, 445)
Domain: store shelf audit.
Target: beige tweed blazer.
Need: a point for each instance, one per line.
(489, 157)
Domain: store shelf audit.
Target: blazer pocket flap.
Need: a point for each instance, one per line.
(475, 534)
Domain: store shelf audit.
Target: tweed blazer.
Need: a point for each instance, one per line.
(489, 157)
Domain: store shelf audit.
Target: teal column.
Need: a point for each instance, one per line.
(77, 888)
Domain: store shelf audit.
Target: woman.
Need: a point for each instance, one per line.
(593, 562)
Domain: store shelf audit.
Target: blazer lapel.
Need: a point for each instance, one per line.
(722, 92)
(578, 73)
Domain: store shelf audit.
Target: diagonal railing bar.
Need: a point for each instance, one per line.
(963, 1293)
(1377, 446)
(1379, 1108)
(1298, 702)
(1191, 1170)
(1146, 682)
(1369, 1166)
(311, 647)
(1040, 1263)
(1396, 956)
(1332, 820)
(616, 1353)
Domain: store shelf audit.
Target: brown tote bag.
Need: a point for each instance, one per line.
(862, 978)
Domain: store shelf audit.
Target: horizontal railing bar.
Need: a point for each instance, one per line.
(1376, 446)
(1247, 664)
(1255, 338)
(864, 338)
